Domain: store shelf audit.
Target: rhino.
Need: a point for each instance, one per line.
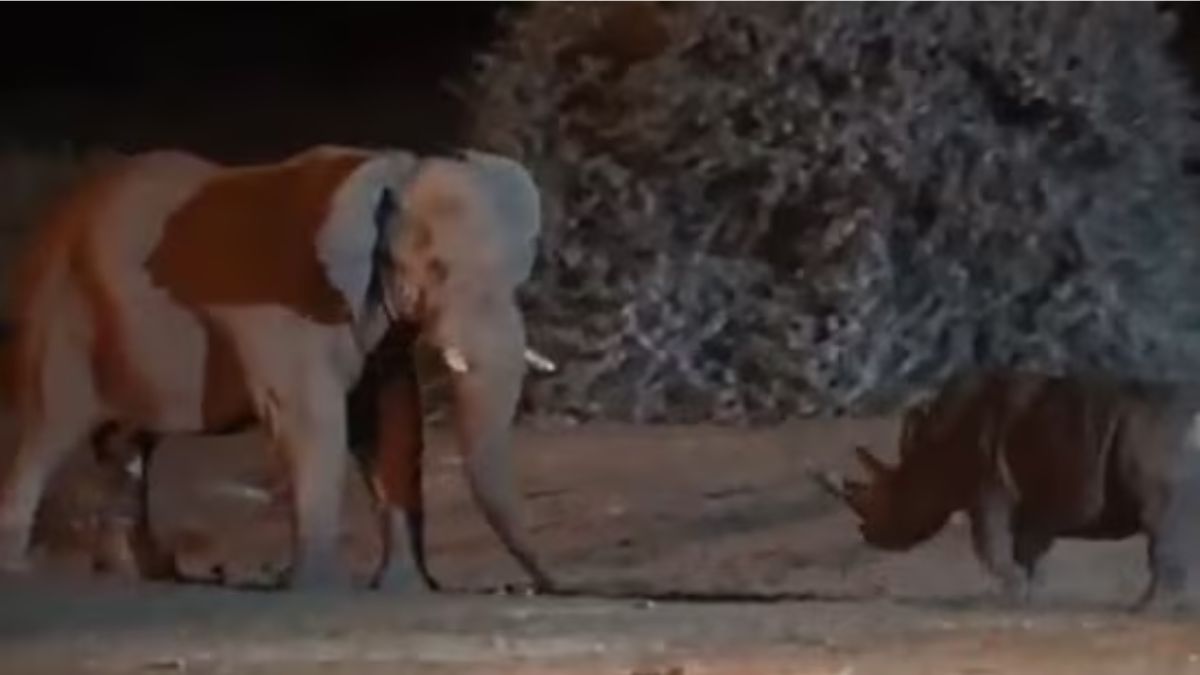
(1031, 458)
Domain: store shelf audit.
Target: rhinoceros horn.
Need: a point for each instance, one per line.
(829, 482)
(855, 494)
(847, 490)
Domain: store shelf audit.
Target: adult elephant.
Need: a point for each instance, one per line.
(172, 295)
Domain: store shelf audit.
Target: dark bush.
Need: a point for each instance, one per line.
(764, 210)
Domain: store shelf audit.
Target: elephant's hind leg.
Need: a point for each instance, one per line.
(64, 417)
(129, 545)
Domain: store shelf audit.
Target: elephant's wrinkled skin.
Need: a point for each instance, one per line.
(170, 295)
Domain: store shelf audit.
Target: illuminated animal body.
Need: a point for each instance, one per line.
(172, 295)
(1032, 458)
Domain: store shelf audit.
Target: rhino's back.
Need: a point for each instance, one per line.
(1056, 448)
(1089, 452)
(1159, 445)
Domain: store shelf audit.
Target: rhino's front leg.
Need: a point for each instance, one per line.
(991, 536)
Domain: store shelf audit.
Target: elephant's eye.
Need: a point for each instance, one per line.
(438, 271)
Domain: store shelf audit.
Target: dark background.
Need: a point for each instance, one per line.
(236, 80)
(247, 81)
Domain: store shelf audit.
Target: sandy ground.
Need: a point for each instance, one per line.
(685, 551)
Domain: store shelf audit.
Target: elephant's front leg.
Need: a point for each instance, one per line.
(312, 434)
(391, 461)
(486, 390)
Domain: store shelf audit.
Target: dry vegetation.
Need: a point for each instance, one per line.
(757, 211)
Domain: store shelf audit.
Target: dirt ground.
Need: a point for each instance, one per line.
(684, 550)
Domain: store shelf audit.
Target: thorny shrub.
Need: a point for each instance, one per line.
(756, 211)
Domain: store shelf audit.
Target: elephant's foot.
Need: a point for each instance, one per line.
(316, 573)
(127, 550)
(404, 580)
(113, 555)
(401, 567)
(15, 564)
(400, 574)
(14, 552)
(542, 581)
(160, 565)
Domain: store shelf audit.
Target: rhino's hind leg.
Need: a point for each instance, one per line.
(39, 454)
(1168, 578)
(1172, 547)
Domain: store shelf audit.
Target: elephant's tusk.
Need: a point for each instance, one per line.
(455, 360)
(539, 362)
(134, 468)
(241, 491)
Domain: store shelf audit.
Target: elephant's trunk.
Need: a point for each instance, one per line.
(487, 376)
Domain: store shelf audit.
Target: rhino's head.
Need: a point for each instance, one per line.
(898, 507)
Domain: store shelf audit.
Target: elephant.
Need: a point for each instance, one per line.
(384, 434)
(170, 294)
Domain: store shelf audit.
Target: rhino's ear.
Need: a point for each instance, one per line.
(876, 467)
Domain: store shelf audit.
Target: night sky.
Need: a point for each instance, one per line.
(234, 79)
(249, 81)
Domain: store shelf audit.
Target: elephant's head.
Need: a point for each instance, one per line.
(461, 242)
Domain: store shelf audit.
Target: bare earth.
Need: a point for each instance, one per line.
(686, 551)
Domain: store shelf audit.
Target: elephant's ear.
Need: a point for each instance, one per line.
(256, 236)
(355, 245)
(515, 199)
(382, 260)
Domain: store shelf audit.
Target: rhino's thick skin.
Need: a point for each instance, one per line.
(1031, 458)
